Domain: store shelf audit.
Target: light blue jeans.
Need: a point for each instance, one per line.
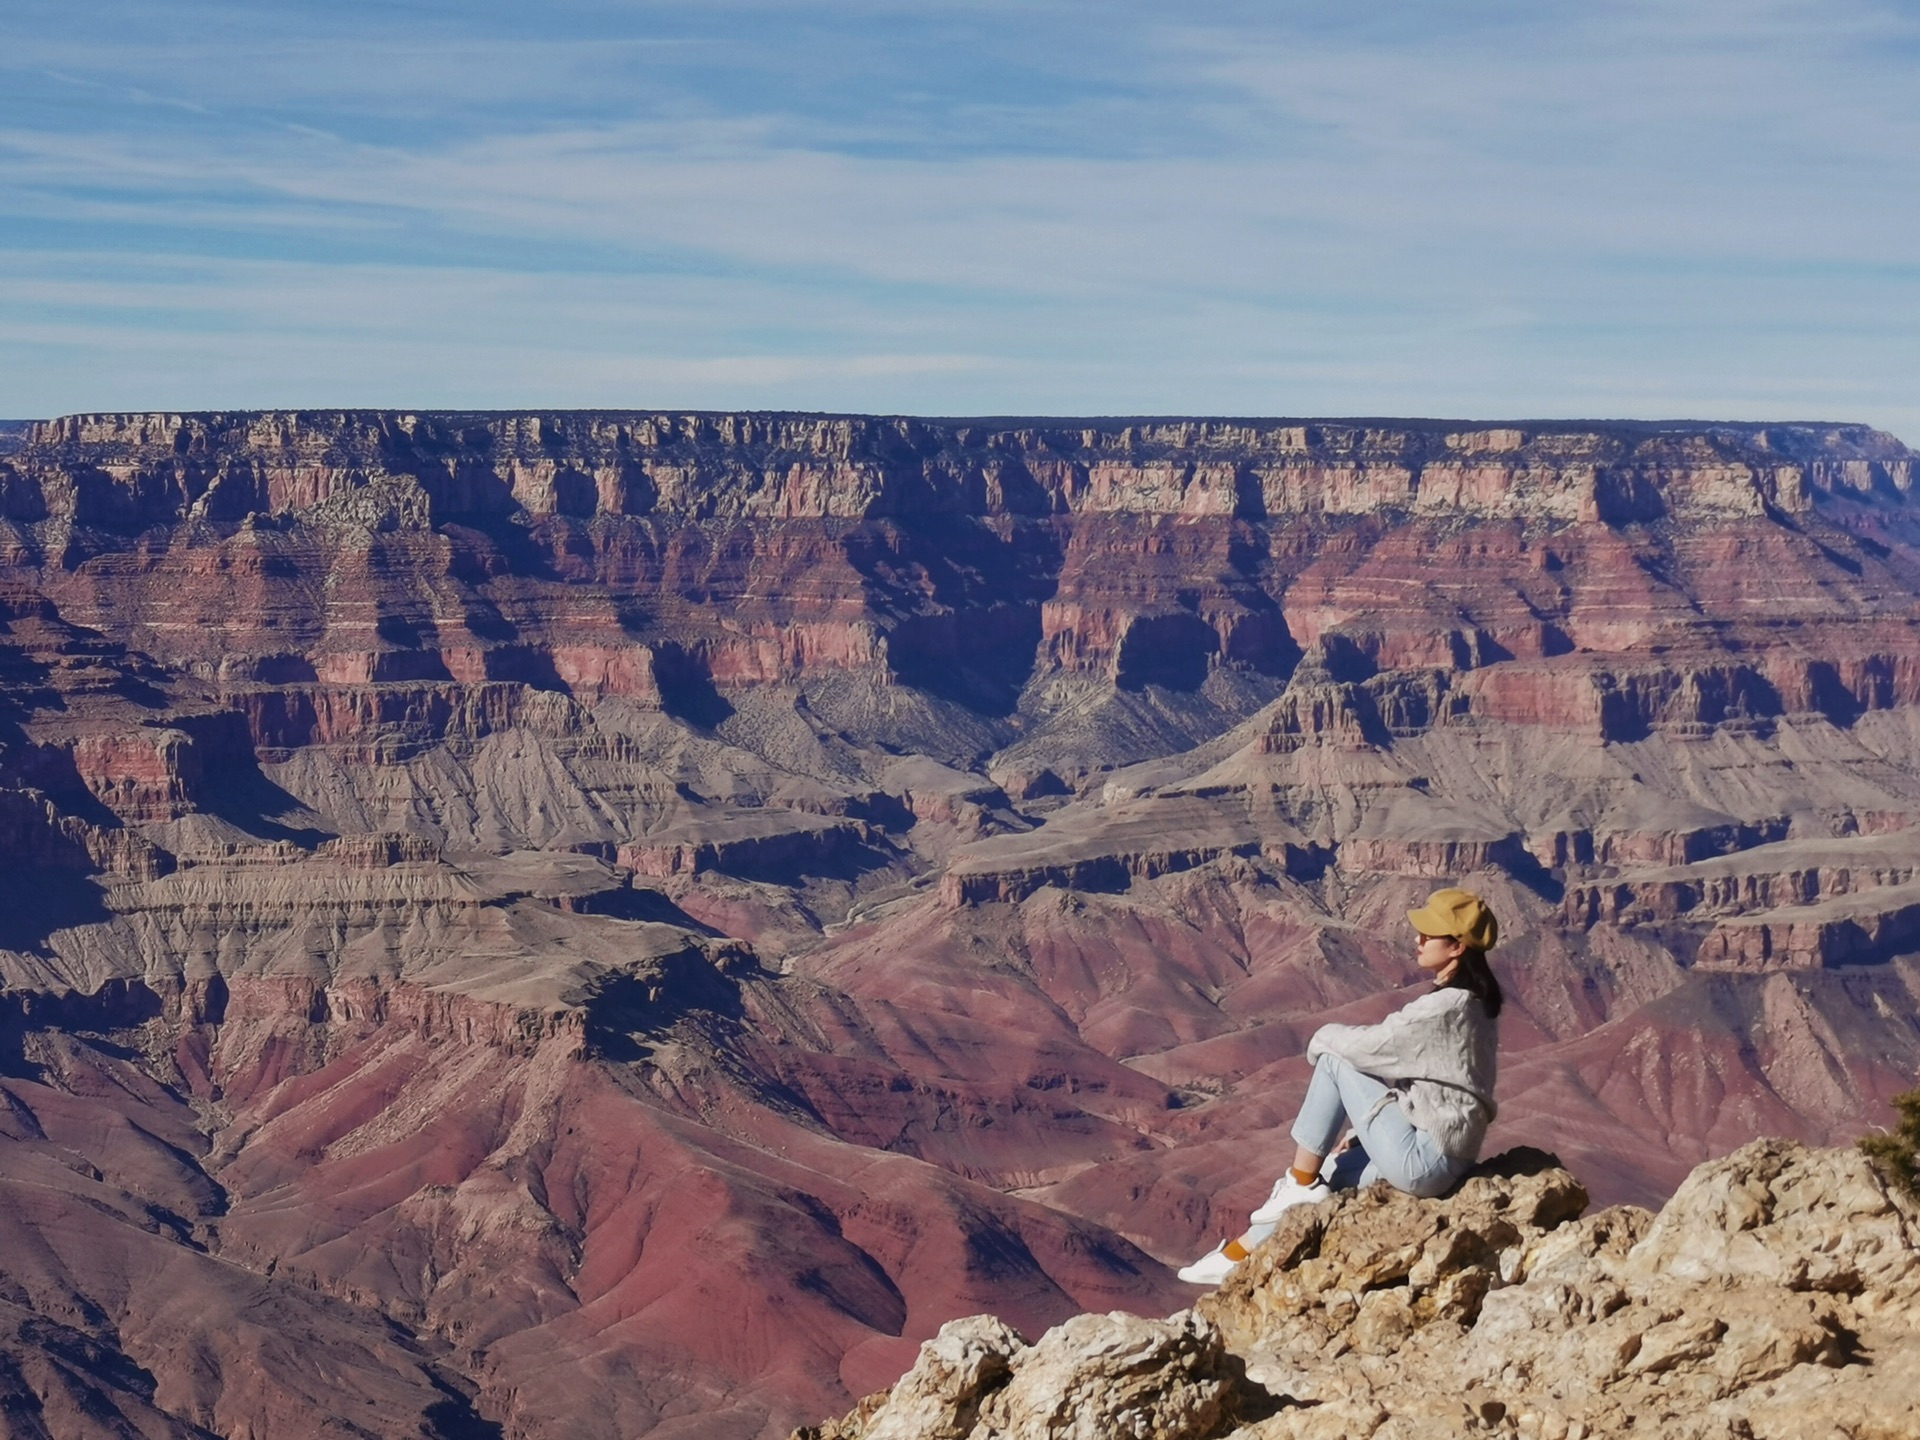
(1391, 1148)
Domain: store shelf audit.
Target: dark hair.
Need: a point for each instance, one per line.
(1475, 976)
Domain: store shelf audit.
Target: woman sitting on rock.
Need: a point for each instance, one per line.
(1417, 1088)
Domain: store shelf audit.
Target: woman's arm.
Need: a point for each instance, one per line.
(1398, 1046)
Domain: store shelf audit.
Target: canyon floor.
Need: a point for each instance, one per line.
(602, 925)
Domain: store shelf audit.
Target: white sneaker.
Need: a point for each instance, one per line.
(1288, 1192)
(1210, 1269)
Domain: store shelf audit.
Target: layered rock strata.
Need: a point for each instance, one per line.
(552, 882)
(654, 555)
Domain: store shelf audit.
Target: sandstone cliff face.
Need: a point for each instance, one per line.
(357, 548)
(162, 468)
(628, 923)
(1772, 1296)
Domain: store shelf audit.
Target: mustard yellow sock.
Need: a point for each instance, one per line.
(1235, 1251)
(1302, 1178)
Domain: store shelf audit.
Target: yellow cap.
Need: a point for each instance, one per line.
(1459, 914)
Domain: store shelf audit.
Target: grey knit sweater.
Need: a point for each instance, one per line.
(1437, 1055)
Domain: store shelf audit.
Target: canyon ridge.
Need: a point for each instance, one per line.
(602, 924)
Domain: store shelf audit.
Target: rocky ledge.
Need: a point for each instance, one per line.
(1774, 1295)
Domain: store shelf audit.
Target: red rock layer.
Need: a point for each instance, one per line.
(329, 550)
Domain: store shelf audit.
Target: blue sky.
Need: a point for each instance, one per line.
(1686, 208)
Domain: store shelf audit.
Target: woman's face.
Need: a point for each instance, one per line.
(1439, 955)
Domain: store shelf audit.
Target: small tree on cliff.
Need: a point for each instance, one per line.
(1897, 1151)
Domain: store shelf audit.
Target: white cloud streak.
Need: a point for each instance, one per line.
(1616, 208)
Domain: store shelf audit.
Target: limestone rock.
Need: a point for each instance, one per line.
(968, 1361)
(1773, 1297)
(1096, 1377)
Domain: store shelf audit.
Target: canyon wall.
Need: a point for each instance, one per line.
(353, 549)
(605, 924)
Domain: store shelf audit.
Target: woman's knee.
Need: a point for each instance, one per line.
(1331, 1065)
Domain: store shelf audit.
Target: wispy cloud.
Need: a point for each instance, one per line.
(1498, 209)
